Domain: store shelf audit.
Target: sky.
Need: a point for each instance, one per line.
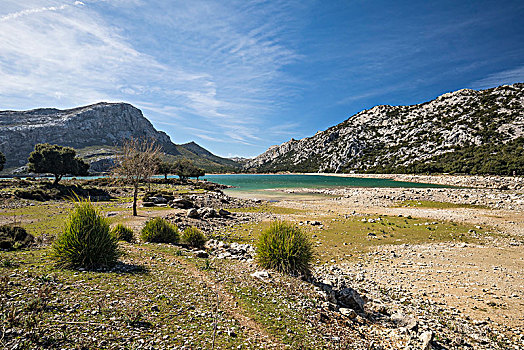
(239, 76)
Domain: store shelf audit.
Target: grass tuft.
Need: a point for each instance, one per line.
(160, 230)
(86, 241)
(122, 233)
(194, 237)
(285, 248)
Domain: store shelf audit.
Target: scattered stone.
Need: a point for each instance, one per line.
(426, 339)
(350, 313)
(201, 254)
(350, 298)
(158, 200)
(207, 212)
(262, 275)
(14, 237)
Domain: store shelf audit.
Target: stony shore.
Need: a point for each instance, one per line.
(476, 181)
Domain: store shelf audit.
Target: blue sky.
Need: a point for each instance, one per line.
(240, 76)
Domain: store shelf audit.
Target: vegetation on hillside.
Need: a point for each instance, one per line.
(486, 159)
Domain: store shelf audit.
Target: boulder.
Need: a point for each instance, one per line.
(207, 212)
(261, 275)
(328, 292)
(159, 200)
(377, 307)
(348, 297)
(148, 204)
(349, 313)
(193, 213)
(181, 203)
(223, 212)
(426, 339)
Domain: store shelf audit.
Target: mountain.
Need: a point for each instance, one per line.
(459, 132)
(205, 159)
(95, 132)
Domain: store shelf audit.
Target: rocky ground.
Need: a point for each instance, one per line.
(475, 291)
(442, 295)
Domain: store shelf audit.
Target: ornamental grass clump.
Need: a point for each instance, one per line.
(160, 230)
(122, 233)
(86, 241)
(193, 237)
(285, 248)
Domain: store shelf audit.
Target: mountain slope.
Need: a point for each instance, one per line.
(395, 137)
(93, 130)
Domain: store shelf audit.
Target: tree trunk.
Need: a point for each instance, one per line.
(165, 176)
(57, 178)
(135, 195)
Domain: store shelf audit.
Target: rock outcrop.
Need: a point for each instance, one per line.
(401, 135)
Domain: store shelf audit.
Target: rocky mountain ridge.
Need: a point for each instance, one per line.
(402, 135)
(93, 130)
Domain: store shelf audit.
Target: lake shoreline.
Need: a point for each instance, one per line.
(473, 181)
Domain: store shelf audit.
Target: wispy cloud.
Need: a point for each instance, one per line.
(509, 76)
(211, 63)
(27, 12)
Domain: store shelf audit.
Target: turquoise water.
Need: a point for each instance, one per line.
(254, 182)
(249, 182)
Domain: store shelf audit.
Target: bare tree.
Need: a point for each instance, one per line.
(136, 162)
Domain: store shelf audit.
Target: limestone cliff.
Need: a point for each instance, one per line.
(93, 130)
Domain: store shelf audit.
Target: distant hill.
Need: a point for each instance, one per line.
(466, 131)
(95, 131)
(205, 159)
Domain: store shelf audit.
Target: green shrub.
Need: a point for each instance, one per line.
(285, 248)
(86, 241)
(159, 230)
(123, 233)
(194, 237)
